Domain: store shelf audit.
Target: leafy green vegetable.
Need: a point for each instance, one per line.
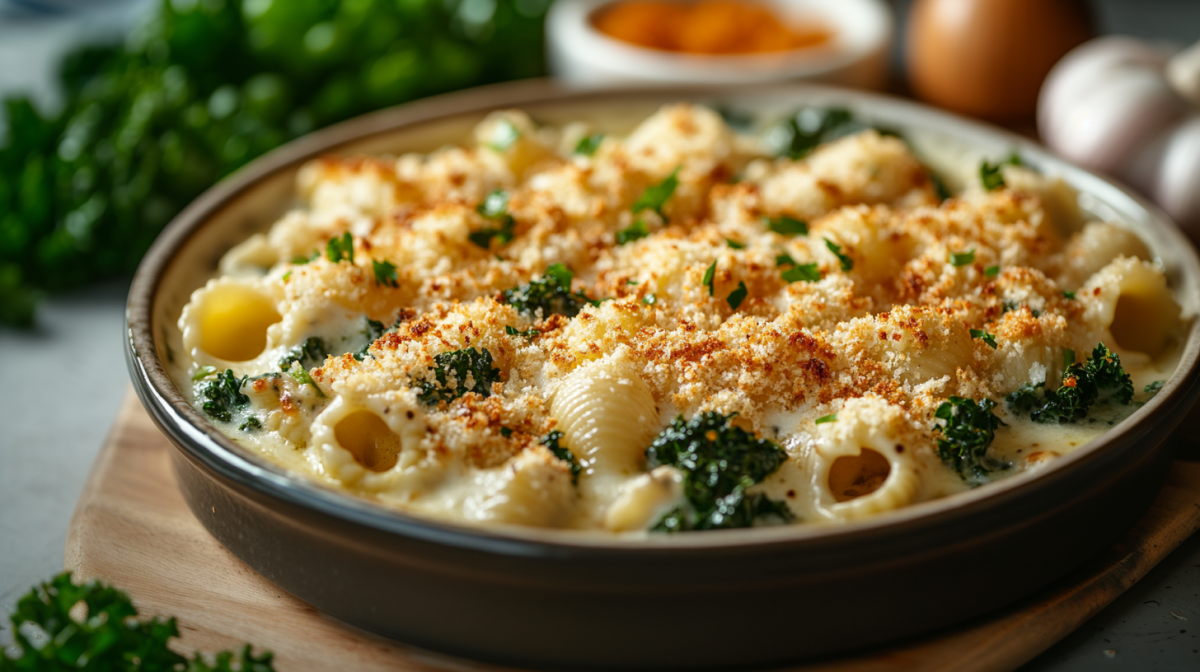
(1068, 295)
(504, 135)
(655, 196)
(528, 334)
(990, 339)
(990, 174)
(1081, 388)
(733, 244)
(710, 274)
(588, 144)
(222, 395)
(967, 428)
(719, 462)
(340, 249)
(634, 231)
(250, 424)
(385, 273)
(300, 261)
(551, 294)
(939, 186)
(832, 417)
(59, 625)
(738, 295)
(809, 127)
(962, 258)
(1153, 388)
(495, 208)
(312, 352)
(203, 372)
(786, 225)
(801, 272)
(649, 299)
(372, 330)
(302, 376)
(991, 271)
(458, 372)
(552, 441)
(847, 262)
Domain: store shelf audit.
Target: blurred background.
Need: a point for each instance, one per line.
(114, 114)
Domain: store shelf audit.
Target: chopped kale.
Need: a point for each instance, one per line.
(846, 261)
(250, 424)
(553, 442)
(385, 273)
(551, 294)
(736, 297)
(203, 372)
(312, 352)
(1068, 295)
(990, 174)
(655, 196)
(939, 186)
(372, 330)
(588, 144)
(1082, 387)
(222, 395)
(302, 376)
(984, 336)
(810, 127)
(1153, 388)
(735, 245)
(991, 271)
(634, 231)
(786, 225)
(495, 208)
(339, 249)
(59, 625)
(504, 135)
(719, 462)
(962, 258)
(967, 428)
(528, 334)
(458, 372)
(710, 275)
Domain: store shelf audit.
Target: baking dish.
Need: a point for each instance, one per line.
(552, 598)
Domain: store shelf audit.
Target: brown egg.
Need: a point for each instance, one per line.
(988, 58)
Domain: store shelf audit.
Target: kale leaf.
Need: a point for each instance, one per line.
(719, 462)
(588, 144)
(222, 395)
(372, 331)
(1082, 387)
(552, 441)
(551, 294)
(967, 429)
(495, 208)
(810, 127)
(107, 636)
(339, 249)
(990, 174)
(458, 372)
(655, 196)
(310, 353)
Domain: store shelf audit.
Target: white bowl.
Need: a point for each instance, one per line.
(856, 55)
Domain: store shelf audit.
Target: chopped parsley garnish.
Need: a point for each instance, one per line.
(506, 432)
(649, 299)
(552, 441)
(634, 231)
(495, 208)
(991, 271)
(719, 462)
(984, 336)
(786, 225)
(1068, 295)
(967, 428)
(1081, 388)
(250, 424)
(527, 334)
(588, 144)
(958, 259)
(785, 259)
(310, 353)
(458, 372)
(300, 261)
(735, 244)
(551, 294)
(990, 174)
(298, 372)
(339, 249)
(203, 372)
(1153, 388)
(222, 395)
(385, 273)
(738, 295)
(809, 127)
(802, 272)
(59, 625)
(655, 196)
(709, 275)
(832, 417)
(847, 262)
(504, 135)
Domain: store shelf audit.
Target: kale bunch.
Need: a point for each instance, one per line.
(719, 462)
(551, 294)
(968, 427)
(222, 395)
(458, 372)
(59, 625)
(810, 127)
(1082, 387)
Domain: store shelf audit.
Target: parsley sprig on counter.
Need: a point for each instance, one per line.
(1083, 385)
(59, 625)
(719, 462)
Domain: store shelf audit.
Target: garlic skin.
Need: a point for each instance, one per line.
(1121, 106)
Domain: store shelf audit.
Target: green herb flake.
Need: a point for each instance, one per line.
(967, 429)
(588, 144)
(528, 334)
(786, 226)
(1068, 358)
(506, 432)
(990, 174)
(302, 376)
(785, 259)
(385, 273)
(339, 249)
(719, 461)
(649, 299)
(1153, 388)
(634, 231)
(203, 372)
(300, 261)
(801, 273)
(222, 396)
(312, 352)
(738, 295)
(495, 208)
(655, 196)
(832, 417)
(631, 282)
(991, 271)
(551, 294)
(553, 442)
(709, 275)
(504, 135)
(1068, 295)
(458, 372)
(286, 276)
(984, 336)
(250, 424)
(847, 262)
(958, 259)
(735, 244)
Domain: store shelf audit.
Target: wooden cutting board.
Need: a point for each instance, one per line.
(132, 528)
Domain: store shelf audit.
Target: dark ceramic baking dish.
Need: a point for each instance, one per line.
(551, 598)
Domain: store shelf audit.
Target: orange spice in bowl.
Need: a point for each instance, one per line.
(712, 27)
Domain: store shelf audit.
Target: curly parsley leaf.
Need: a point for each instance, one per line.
(458, 372)
(990, 174)
(967, 428)
(655, 196)
(553, 442)
(339, 249)
(385, 273)
(551, 294)
(222, 396)
(847, 262)
(958, 259)
(786, 225)
(984, 336)
(738, 295)
(634, 231)
(1082, 387)
(719, 462)
(588, 144)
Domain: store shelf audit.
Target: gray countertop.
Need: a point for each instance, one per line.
(62, 382)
